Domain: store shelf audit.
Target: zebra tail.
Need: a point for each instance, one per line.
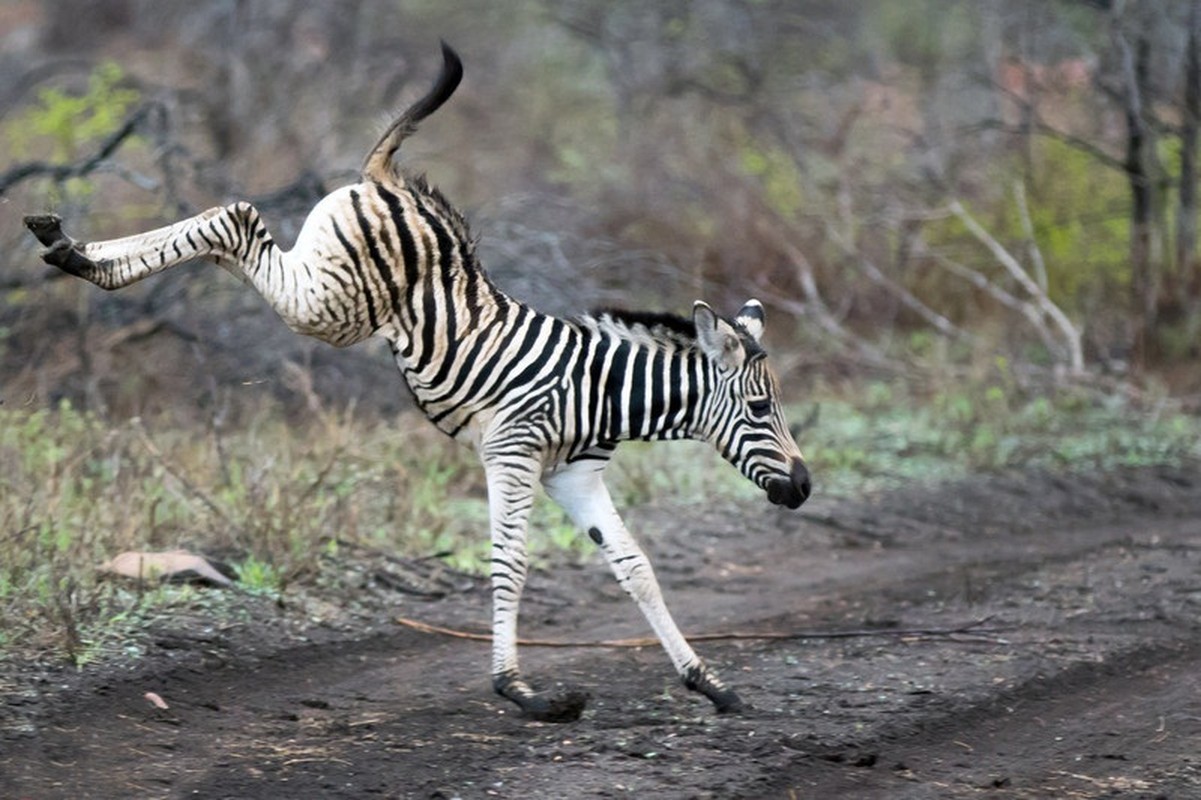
(378, 164)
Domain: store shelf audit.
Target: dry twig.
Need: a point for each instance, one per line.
(973, 627)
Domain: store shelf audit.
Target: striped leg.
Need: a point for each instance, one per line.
(222, 234)
(579, 488)
(510, 495)
(317, 288)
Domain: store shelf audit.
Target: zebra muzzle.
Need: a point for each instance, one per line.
(793, 490)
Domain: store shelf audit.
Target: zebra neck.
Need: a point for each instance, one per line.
(651, 389)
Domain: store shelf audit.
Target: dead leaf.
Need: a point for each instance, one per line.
(176, 565)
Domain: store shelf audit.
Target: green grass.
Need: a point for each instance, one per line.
(888, 437)
(277, 499)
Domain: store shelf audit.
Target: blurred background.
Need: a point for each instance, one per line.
(973, 226)
(914, 188)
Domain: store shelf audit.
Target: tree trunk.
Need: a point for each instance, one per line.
(1186, 214)
(1138, 162)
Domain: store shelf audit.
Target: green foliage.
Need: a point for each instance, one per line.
(688, 472)
(61, 124)
(1079, 213)
(776, 171)
(66, 122)
(259, 576)
(886, 439)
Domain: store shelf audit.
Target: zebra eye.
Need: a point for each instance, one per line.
(760, 408)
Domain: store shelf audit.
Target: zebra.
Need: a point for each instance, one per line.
(542, 399)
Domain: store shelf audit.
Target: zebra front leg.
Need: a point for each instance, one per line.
(510, 495)
(580, 489)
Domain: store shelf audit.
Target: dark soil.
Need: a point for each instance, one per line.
(1081, 679)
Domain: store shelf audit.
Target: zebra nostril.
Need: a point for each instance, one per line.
(790, 491)
(800, 479)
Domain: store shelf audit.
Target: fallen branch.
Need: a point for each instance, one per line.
(973, 627)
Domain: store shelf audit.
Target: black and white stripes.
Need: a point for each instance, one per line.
(543, 400)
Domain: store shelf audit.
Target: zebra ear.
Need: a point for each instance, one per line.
(717, 338)
(752, 319)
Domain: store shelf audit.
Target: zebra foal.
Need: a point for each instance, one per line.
(541, 399)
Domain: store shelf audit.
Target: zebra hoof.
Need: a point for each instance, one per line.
(699, 679)
(729, 703)
(48, 228)
(547, 707)
(565, 706)
(61, 250)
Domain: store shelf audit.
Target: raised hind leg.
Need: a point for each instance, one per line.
(319, 288)
(226, 235)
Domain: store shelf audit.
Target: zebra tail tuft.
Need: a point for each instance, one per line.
(378, 164)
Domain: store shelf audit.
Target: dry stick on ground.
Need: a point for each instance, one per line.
(973, 627)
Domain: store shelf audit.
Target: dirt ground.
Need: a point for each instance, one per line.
(1081, 677)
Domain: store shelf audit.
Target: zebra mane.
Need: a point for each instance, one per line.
(658, 326)
(661, 327)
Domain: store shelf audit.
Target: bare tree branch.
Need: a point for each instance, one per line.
(1036, 255)
(1071, 334)
(981, 282)
(86, 166)
(939, 322)
(815, 308)
(1051, 132)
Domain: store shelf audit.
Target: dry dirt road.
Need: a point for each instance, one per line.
(1083, 680)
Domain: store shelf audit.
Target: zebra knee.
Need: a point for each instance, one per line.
(244, 215)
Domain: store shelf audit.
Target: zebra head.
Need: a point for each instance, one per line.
(747, 423)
